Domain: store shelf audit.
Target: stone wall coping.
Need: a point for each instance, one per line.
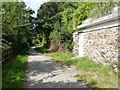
(105, 19)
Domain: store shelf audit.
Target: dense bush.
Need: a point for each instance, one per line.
(16, 24)
(60, 19)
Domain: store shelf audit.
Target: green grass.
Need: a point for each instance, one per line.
(86, 64)
(62, 56)
(14, 70)
(96, 74)
(43, 50)
(87, 78)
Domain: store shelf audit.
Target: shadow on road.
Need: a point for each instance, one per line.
(45, 73)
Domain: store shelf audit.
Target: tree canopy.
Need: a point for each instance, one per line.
(54, 23)
(16, 23)
(57, 19)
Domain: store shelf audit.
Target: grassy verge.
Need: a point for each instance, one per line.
(14, 71)
(97, 75)
(43, 50)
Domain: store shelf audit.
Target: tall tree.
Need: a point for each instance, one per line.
(16, 22)
(57, 20)
(44, 18)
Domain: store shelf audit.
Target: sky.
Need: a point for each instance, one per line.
(34, 4)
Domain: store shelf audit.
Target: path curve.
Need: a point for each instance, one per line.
(42, 72)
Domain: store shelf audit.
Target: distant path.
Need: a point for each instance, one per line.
(45, 73)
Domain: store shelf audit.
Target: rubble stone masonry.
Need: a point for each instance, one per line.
(75, 43)
(101, 40)
(102, 45)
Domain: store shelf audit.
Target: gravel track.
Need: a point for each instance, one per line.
(42, 72)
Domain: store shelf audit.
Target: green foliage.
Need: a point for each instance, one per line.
(92, 73)
(55, 35)
(91, 81)
(101, 8)
(16, 22)
(82, 76)
(14, 71)
(40, 40)
(83, 64)
(85, 77)
(47, 14)
(66, 57)
(104, 69)
(43, 50)
(57, 20)
(60, 34)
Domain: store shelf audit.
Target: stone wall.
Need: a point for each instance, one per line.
(102, 45)
(101, 38)
(75, 43)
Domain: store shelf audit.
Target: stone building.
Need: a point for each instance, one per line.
(99, 39)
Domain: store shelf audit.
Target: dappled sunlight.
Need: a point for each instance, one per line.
(45, 73)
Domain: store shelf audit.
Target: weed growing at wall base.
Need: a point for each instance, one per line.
(97, 75)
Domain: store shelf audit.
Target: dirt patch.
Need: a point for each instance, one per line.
(57, 47)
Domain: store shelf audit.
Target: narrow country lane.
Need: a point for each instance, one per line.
(45, 73)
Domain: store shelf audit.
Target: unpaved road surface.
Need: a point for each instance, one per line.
(42, 72)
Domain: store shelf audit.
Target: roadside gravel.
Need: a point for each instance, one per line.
(42, 72)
